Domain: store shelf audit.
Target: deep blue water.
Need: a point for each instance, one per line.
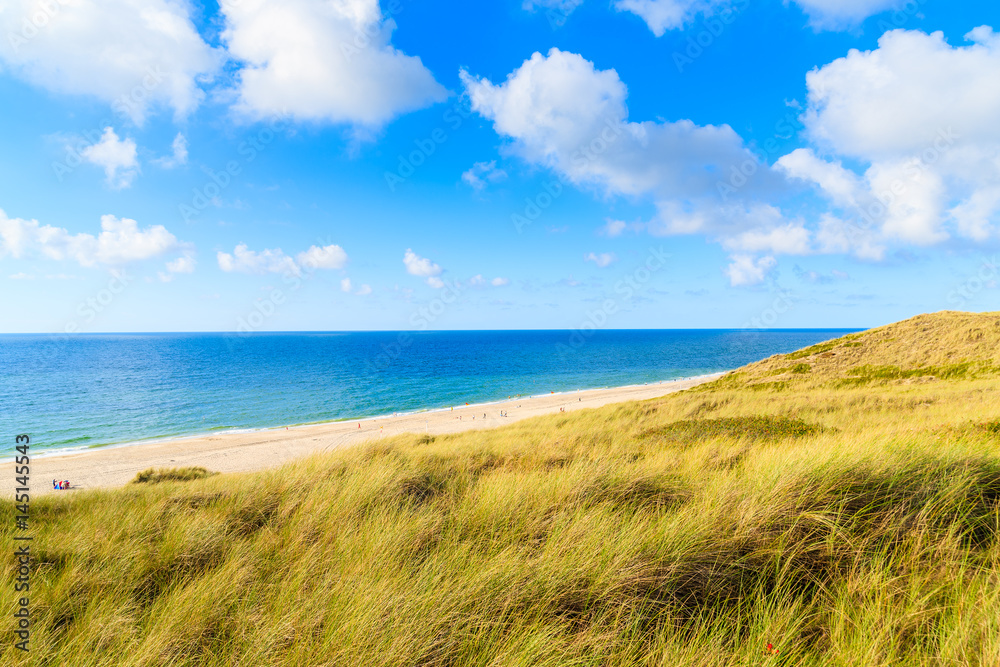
(92, 390)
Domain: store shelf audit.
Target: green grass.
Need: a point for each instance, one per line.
(153, 476)
(844, 525)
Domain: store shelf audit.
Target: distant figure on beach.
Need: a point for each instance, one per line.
(359, 424)
(55, 485)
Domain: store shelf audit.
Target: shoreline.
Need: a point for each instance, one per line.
(229, 431)
(250, 450)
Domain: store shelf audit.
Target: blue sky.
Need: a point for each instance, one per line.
(350, 165)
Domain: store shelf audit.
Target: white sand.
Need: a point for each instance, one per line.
(256, 450)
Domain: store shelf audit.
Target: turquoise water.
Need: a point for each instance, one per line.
(93, 390)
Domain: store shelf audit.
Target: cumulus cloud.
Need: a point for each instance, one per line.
(663, 15)
(364, 290)
(327, 257)
(919, 116)
(841, 14)
(244, 260)
(613, 228)
(423, 268)
(744, 270)
(323, 61)
(116, 156)
(114, 50)
(345, 285)
(790, 239)
(482, 173)
(479, 281)
(602, 260)
(183, 264)
(559, 111)
(120, 241)
(179, 154)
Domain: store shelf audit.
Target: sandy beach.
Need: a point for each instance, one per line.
(257, 450)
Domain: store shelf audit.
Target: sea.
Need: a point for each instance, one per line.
(97, 390)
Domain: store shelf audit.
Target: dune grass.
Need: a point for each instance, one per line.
(155, 476)
(843, 524)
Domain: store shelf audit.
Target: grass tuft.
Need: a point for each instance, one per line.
(155, 476)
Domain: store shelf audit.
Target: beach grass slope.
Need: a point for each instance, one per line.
(834, 506)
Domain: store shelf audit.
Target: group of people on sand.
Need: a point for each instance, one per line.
(60, 485)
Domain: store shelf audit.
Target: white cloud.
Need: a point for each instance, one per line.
(423, 268)
(900, 98)
(115, 50)
(613, 228)
(559, 111)
(21, 276)
(564, 6)
(364, 290)
(327, 257)
(345, 285)
(843, 187)
(323, 61)
(841, 14)
(179, 154)
(663, 15)
(602, 260)
(244, 260)
(919, 116)
(479, 281)
(482, 173)
(119, 242)
(183, 264)
(116, 156)
(745, 270)
(791, 239)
